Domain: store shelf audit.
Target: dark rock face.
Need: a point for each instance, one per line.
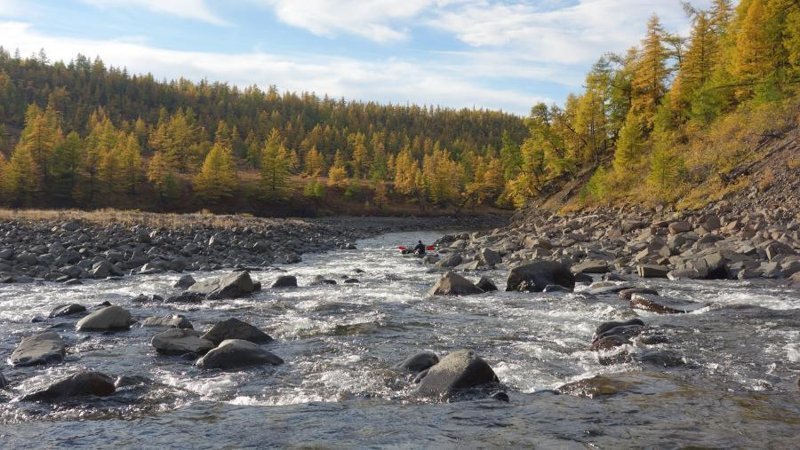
(234, 285)
(486, 284)
(67, 310)
(177, 341)
(235, 329)
(418, 362)
(534, 277)
(285, 281)
(663, 305)
(187, 297)
(108, 318)
(79, 385)
(453, 284)
(234, 353)
(42, 348)
(458, 371)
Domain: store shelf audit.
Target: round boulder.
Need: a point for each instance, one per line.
(460, 370)
(109, 318)
(285, 281)
(234, 353)
(235, 329)
(67, 310)
(534, 277)
(418, 362)
(77, 385)
(454, 284)
(42, 348)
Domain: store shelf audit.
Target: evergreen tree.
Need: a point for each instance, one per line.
(217, 178)
(649, 80)
(275, 168)
(22, 176)
(160, 174)
(314, 163)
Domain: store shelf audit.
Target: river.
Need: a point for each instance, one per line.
(732, 379)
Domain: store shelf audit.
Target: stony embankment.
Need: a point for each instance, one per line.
(54, 249)
(719, 242)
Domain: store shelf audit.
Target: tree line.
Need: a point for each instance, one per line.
(80, 134)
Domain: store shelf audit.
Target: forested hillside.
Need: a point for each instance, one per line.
(81, 134)
(670, 121)
(673, 119)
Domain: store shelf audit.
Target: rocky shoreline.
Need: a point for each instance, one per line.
(54, 249)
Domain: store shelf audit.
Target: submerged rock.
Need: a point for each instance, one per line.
(42, 348)
(177, 341)
(173, 321)
(108, 318)
(67, 310)
(235, 329)
(234, 353)
(534, 277)
(663, 305)
(78, 385)
(626, 294)
(597, 386)
(234, 285)
(458, 371)
(418, 362)
(454, 284)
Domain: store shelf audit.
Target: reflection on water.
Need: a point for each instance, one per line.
(739, 364)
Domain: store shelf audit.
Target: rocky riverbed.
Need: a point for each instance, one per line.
(67, 251)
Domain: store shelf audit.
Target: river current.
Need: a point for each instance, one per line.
(731, 379)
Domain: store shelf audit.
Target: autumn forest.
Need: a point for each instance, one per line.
(651, 125)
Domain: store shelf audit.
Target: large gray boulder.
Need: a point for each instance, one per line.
(185, 282)
(234, 353)
(78, 385)
(454, 284)
(489, 257)
(177, 341)
(42, 348)
(534, 277)
(173, 321)
(459, 371)
(109, 318)
(235, 329)
(486, 284)
(234, 285)
(67, 310)
(451, 260)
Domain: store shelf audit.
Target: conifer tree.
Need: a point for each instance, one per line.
(22, 172)
(314, 163)
(649, 80)
(130, 165)
(217, 178)
(160, 174)
(274, 168)
(406, 173)
(4, 179)
(337, 173)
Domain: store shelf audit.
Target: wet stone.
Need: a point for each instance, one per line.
(663, 305)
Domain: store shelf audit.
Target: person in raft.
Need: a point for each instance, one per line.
(419, 249)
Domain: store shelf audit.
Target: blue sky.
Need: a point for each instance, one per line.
(495, 54)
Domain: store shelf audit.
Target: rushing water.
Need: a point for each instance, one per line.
(736, 384)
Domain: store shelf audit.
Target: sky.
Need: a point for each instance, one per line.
(491, 54)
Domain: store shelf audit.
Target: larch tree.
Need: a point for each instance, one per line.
(22, 171)
(130, 161)
(217, 178)
(314, 163)
(65, 165)
(161, 176)
(274, 168)
(650, 76)
(337, 173)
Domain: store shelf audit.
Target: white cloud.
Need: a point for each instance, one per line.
(388, 80)
(377, 20)
(575, 34)
(13, 8)
(189, 9)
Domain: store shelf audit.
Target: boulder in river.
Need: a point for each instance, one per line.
(78, 385)
(233, 285)
(109, 318)
(458, 371)
(235, 329)
(185, 282)
(43, 348)
(285, 281)
(418, 362)
(597, 386)
(67, 310)
(177, 341)
(486, 284)
(234, 353)
(172, 321)
(663, 305)
(652, 271)
(534, 277)
(489, 257)
(454, 284)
